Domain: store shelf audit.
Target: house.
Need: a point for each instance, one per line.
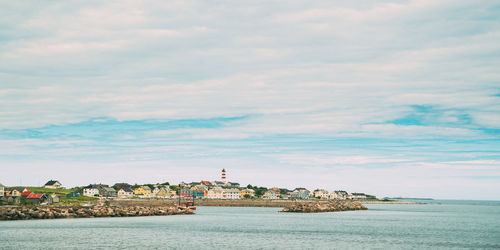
(37, 198)
(125, 193)
(106, 191)
(164, 192)
(232, 185)
(2, 190)
(219, 183)
(358, 196)
(143, 192)
(272, 194)
(12, 199)
(199, 191)
(25, 194)
(52, 198)
(15, 191)
(52, 184)
(300, 193)
(247, 193)
(338, 195)
(186, 193)
(119, 186)
(91, 191)
(320, 194)
(206, 183)
(73, 195)
(231, 194)
(215, 193)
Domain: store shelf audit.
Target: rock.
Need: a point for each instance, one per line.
(323, 206)
(49, 212)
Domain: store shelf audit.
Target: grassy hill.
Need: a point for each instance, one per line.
(59, 191)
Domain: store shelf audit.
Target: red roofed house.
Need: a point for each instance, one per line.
(206, 183)
(37, 198)
(26, 194)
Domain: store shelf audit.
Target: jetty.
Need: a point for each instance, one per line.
(54, 212)
(325, 206)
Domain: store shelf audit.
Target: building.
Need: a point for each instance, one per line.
(338, 195)
(223, 177)
(300, 193)
(219, 183)
(2, 190)
(186, 193)
(206, 183)
(106, 191)
(231, 194)
(232, 185)
(215, 193)
(358, 196)
(247, 193)
(37, 198)
(320, 194)
(73, 195)
(52, 184)
(122, 185)
(125, 193)
(155, 191)
(200, 191)
(15, 191)
(271, 194)
(91, 191)
(163, 192)
(143, 192)
(25, 194)
(52, 198)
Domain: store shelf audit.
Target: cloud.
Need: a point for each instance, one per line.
(378, 81)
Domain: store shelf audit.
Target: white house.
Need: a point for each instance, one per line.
(321, 194)
(91, 192)
(125, 193)
(337, 195)
(215, 193)
(358, 196)
(271, 194)
(52, 184)
(231, 194)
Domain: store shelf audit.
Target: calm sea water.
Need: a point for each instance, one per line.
(440, 224)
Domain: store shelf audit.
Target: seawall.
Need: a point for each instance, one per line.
(54, 212)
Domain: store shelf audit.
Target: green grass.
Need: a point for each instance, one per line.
(59, 191)
(76, 200)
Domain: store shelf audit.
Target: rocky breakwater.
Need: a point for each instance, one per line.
(53, 212)
(320, 206)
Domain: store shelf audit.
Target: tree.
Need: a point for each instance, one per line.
(174, 188)
(247, 196)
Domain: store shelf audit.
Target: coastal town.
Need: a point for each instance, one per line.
(54, 192)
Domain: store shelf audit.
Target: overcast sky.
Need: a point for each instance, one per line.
(392, 98)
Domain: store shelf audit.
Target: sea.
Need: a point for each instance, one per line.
(438, 224)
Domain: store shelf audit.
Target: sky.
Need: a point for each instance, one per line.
(390, 98)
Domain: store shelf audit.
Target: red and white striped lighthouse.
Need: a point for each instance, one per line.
(223, 175)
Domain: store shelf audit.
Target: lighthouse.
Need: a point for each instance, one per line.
(223, 175)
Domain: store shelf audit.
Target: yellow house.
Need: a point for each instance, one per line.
(249, 192)
(143, 191)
